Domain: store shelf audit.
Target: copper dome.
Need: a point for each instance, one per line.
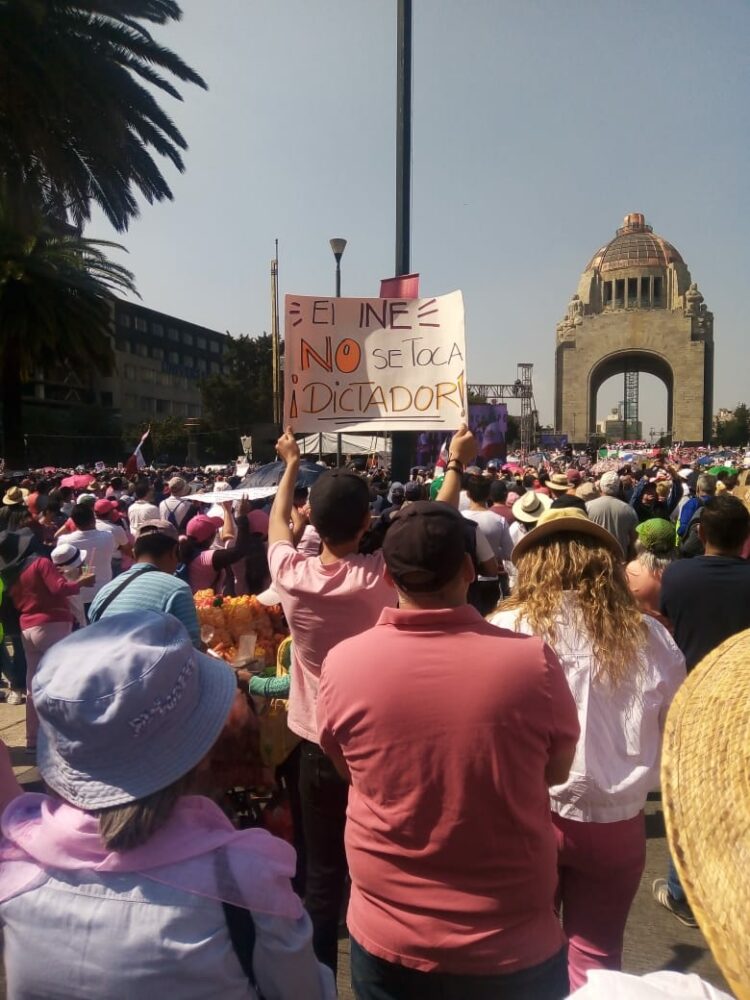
(635, 245)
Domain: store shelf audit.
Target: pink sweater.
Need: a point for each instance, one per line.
(41, 594)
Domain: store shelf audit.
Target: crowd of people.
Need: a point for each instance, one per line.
(482, 664)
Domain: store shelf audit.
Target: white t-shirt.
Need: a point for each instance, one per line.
(617, 758)
(495, 528)
(99, 546)
(141, 511)
(118, 533)
(180, 509)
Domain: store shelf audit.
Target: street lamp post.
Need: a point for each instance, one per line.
(338, 245)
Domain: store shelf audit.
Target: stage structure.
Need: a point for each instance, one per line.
(505, 392)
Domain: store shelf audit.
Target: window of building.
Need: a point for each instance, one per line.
(187, 338)
(201, 365)
(140, 324)
(141, 350)
(148, 404)
(188, 361)
(173, 333)
(632, 291)
(607, 293)
(215, 367)
(123, 345)
(179, 409)
(157, 329)
(124, 320)
(157, 354)
(657, 292)
(645, 291)
(194, 410)
(163, 406)
(214, 346)
(107, 399)
(131, 401)
(200, 342)
(148, 375)
(619, 293)
(129, 372)
(174, 358)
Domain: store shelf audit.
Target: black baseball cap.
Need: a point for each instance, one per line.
(425, 546)
(339, 502)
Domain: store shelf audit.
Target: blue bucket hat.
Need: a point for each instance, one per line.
(126, 707)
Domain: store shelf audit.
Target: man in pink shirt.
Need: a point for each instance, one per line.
(328, 598)
(450, 731)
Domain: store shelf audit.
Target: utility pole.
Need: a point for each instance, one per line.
(403, 441)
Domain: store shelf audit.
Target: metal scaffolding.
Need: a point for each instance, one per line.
(522, 390)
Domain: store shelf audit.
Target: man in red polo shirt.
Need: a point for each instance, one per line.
(450, 731)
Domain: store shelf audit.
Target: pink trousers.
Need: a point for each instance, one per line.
(599, 869)
(36, 641)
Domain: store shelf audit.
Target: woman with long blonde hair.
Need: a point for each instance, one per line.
(623, 670)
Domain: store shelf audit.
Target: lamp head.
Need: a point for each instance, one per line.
(338, 245)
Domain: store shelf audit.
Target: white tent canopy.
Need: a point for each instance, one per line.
(351, 444)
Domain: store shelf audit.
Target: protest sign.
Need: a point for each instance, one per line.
(374, 364)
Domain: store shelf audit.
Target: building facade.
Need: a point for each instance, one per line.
(636, 310)
(159, 363)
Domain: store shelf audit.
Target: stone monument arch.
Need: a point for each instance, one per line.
(636, 310)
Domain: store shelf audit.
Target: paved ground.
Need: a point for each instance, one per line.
(654, 939)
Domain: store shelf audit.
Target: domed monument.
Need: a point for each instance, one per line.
(636, 310)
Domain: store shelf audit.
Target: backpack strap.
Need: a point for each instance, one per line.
(116, 593)
(242, 934)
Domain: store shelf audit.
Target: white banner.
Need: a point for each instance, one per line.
(374, 364)
(222, 496)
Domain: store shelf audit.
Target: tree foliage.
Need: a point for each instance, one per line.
(236, 401)
(79, 122)
(56, 292)
(735, 432)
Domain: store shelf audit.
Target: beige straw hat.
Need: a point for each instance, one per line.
(705, 779)
(566, 520)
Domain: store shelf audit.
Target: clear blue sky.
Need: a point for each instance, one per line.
(537, 126)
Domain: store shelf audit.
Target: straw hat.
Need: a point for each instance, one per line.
(706, 795)
(530, 507)
(559, 482)
(566, 520)
(15, 495)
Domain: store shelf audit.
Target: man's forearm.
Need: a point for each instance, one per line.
(281, 511)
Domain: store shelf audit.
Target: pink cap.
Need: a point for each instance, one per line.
(104, 506)
(202, 527)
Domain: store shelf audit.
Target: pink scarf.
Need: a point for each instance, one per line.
(197, 850)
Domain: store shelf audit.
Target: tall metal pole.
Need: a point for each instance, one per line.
(338, 245)
(403, 138)
(338, 296)
(275, 344)
(403, 441)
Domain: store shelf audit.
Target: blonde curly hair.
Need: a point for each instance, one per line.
(607, 611)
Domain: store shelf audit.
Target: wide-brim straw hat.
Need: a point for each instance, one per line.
(566, 520)
(705, 780)
(559, 482)
(15, 495)
(530, 506)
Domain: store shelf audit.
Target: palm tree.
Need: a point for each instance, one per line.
(78, 118)
(56, 293)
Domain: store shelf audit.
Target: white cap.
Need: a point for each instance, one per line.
(66, 556)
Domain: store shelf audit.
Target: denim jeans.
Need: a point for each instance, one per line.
(13, 661)
(323, 797)
(375, 979)
(674, 885)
